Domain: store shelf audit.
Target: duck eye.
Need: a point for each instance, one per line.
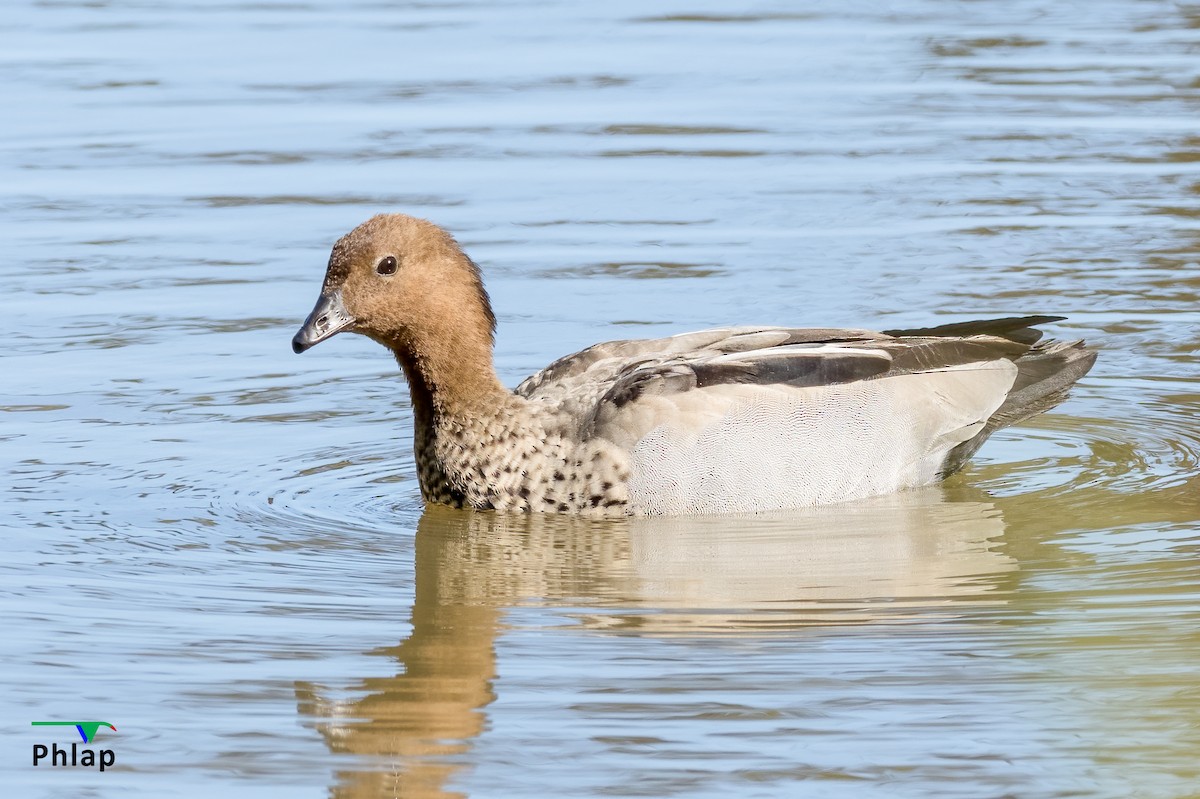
(387, 266)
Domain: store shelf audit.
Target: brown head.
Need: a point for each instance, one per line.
(405, 283)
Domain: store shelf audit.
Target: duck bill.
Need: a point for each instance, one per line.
(328, 318)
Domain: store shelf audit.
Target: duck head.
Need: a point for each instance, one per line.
(405, 283)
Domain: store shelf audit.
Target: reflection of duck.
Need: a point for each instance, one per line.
(875, 561)
(414, 723)
(870, 561)
(729, 420)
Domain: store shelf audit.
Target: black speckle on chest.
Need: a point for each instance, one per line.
(435, 485)
(490, 467)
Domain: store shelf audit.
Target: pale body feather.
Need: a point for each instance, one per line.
(735, 448)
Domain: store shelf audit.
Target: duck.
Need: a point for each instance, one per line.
(740, 419)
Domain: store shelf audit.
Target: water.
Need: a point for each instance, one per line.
(219, 547)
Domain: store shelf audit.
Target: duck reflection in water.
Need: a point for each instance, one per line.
(892, 560)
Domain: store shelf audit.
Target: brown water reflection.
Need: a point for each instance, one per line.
(954, 564)
(894, 560)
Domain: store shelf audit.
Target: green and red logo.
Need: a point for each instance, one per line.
(87, 729)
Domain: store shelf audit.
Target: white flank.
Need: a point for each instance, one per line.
(740, 448)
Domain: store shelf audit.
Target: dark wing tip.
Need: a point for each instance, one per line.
(1021, 329)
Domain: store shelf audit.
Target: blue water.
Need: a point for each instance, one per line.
(220, 548)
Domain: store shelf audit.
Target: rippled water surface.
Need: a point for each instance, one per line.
(220, 548)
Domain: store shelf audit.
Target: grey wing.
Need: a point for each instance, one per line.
(594, 386)
(596, 368)
(790, 357)
(593, 371)
(789, 366)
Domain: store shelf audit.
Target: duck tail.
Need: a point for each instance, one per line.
(1045, 375)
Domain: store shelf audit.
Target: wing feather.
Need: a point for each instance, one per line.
(595, 386)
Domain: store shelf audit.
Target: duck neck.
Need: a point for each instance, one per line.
(453, 400)
(450, 386)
